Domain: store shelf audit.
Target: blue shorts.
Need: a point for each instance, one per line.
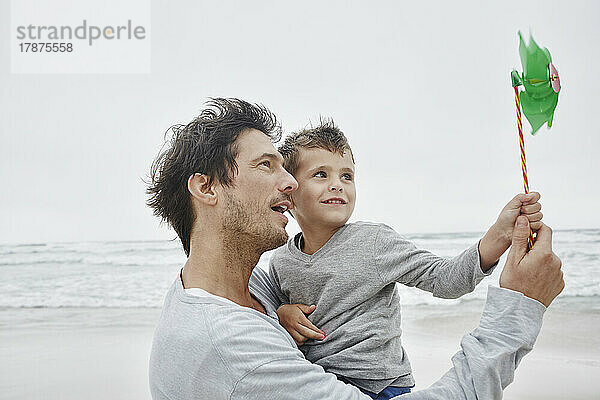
(387, 393)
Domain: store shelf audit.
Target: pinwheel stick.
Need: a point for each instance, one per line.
(523, 160)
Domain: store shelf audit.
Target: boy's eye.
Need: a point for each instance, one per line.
(320, 174)
(347, 177)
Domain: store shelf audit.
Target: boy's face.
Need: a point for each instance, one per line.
(326, 193)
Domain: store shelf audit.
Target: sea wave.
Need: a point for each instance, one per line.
(138, 274)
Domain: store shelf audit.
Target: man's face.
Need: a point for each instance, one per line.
(326, 193)
(259, 195)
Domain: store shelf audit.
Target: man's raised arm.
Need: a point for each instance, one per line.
(489, 355)
(510, 323)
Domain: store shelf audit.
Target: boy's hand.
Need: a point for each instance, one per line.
(522, 204)
(499, 237)
(292, 317)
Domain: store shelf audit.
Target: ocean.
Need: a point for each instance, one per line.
(137, 274)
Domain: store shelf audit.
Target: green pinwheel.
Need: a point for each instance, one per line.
(539, 98)
(540, 82)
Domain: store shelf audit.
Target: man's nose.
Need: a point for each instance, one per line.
(289, 183)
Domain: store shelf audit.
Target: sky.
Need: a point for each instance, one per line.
(421, 89)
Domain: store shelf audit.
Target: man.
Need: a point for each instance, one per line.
(222, 187)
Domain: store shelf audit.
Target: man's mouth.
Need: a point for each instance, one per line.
(334, 200)
(281, 207)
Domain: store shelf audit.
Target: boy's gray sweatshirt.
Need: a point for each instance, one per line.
(352, 281)
(211, 348)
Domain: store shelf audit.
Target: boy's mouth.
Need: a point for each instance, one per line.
(334, 200)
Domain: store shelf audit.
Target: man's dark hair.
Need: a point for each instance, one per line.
(325, 136)
(206, 146)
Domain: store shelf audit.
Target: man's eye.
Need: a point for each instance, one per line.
(347, 177)
(266, 163)
(320, 174)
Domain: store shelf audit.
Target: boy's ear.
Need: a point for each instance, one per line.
(200, 189)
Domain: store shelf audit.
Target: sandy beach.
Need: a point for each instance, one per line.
(564, 364)
(102, 353)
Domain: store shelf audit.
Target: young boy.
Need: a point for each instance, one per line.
(348, 272)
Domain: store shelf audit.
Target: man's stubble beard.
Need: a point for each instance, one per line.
(249, 226)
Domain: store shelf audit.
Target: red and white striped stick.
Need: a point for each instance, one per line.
(523, 161)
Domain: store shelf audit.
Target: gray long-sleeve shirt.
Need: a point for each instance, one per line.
(351, 280)
(207, 347)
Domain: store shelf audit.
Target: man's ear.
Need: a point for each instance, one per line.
(200, 189)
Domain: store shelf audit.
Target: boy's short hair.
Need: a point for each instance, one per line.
(325, 136)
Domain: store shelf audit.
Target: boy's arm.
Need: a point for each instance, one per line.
(491, 246)
(399, 260)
